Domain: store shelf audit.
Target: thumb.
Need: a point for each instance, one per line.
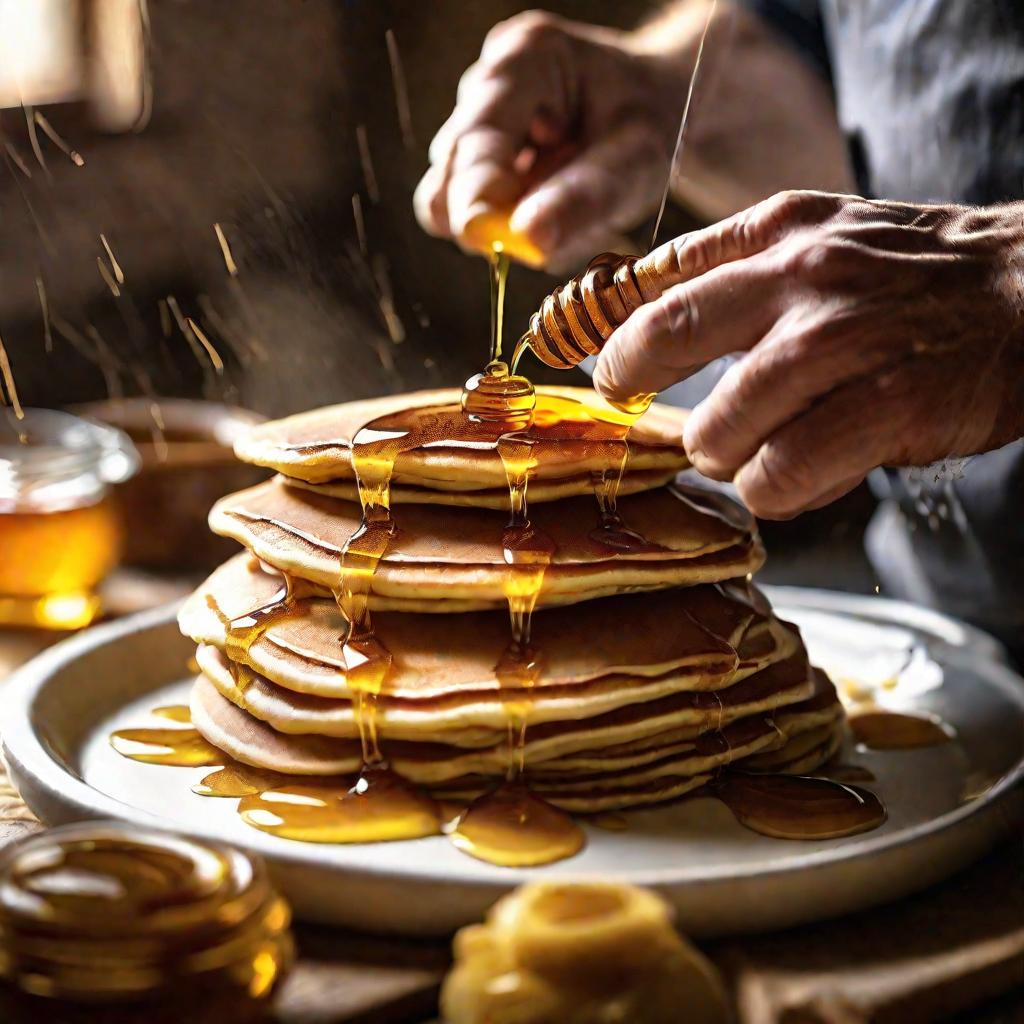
(728, 309)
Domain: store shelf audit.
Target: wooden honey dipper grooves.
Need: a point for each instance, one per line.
(575, 321)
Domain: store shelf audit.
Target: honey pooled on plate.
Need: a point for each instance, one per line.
(104, 922)
(798, 806)
(579, 953)
(881, 729)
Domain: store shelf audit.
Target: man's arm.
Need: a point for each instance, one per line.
(763, 118)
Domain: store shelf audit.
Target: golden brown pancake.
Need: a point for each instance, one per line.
(451, 559)
(633, 481)
(612, 783)
(456, 655)
(679, 670)
(443, 678)
(628, 729)
(316, 446)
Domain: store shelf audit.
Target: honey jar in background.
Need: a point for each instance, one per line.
(187, 462)
(60, 533)
(102, 922)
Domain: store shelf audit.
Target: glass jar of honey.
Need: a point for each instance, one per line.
(59, 531)
(102, 923)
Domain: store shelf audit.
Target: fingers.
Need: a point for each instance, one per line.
(825, 452)
(612, 184)
(482, 177)
(806, 354)
(512, 98)
(728, 309)
(738, 237)
(430, 201)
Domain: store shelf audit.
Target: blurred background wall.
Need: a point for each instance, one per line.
(259, 110)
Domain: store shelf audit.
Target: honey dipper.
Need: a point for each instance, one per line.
(575, 321)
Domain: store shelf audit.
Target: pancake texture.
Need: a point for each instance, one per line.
(654, 662)
(316, 447)
(445, 559)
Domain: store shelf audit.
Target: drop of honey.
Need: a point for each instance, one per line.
(635, 405)
(237, 780)
(175, 712)
(379, 807)
(890, 730)
(798, 806)
(514, 828)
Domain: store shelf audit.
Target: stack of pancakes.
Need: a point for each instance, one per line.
(660, 662)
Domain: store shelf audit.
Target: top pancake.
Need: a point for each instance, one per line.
(316, 447)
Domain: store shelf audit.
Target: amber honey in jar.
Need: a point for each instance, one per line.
(101, 922)
(60, 533)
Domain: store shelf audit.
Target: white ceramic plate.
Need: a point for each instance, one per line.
(946, 804)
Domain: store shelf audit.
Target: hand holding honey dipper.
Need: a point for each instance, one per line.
(873, 333)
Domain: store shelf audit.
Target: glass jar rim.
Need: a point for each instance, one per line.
(48, 447)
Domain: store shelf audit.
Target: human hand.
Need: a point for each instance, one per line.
(874, 333)
(564, 126)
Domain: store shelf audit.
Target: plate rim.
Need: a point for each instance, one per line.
(27, 752)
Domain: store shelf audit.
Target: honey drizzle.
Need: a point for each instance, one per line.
(511, 826)
(527, 553)
(380, 806)
(797, 806)
(499, 276)
(892, 730)
(242, 631)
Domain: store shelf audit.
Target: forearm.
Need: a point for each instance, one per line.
(762, 119)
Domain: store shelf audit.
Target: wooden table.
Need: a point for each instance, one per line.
(949, 950)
